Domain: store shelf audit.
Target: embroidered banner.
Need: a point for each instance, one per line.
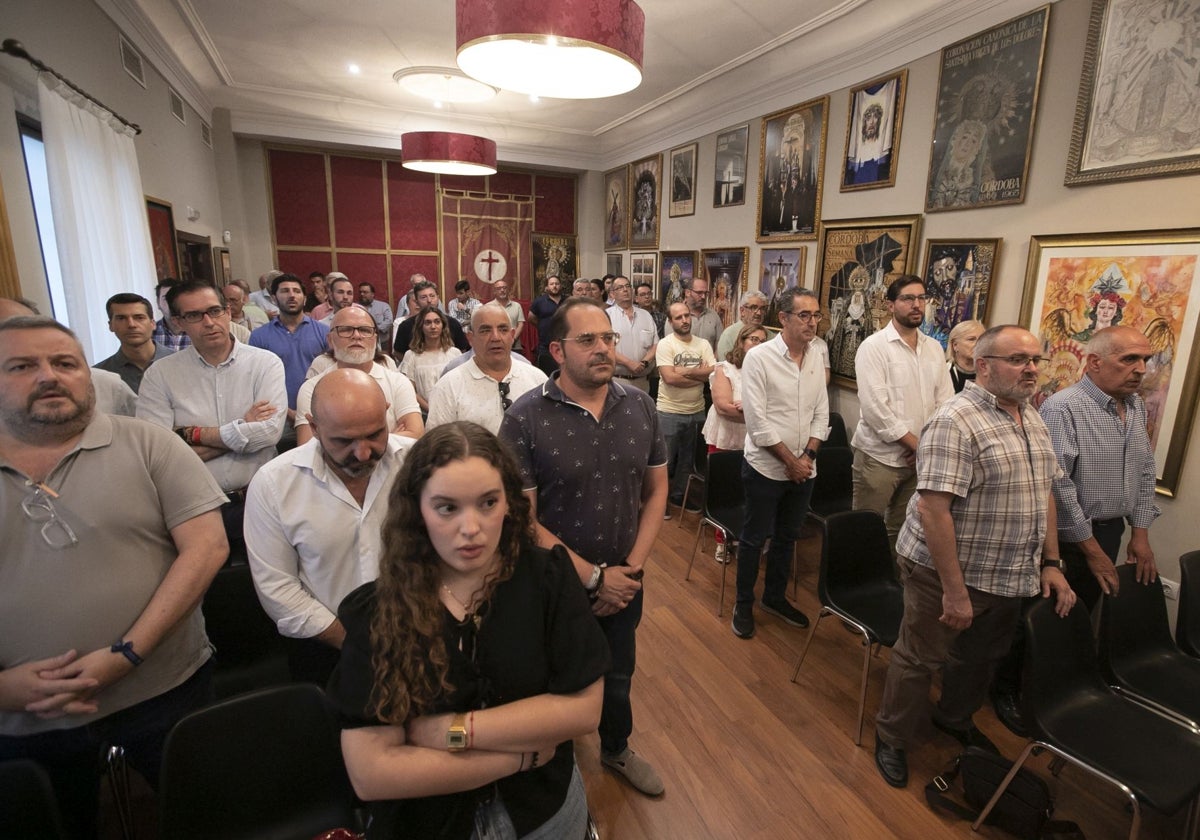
(485, 240)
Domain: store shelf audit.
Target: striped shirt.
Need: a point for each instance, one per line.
(1000, 473)
(1108, 463)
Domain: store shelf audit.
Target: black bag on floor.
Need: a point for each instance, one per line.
(1023, 811)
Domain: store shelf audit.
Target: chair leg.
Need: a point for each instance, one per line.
(687, 491)
(695, 546)
(721, 600)
(862, 694)
(804, 652)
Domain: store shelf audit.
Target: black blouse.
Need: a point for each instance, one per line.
(537, 635)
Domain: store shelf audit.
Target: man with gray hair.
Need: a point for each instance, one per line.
(263, 298)
(112, 534)
(750, 313)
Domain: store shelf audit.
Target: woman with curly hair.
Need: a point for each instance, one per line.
(472, 661)
(430, 350)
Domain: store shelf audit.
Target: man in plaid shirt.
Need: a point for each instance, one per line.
(980, 536)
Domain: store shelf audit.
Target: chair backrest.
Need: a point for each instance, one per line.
(854, 554)
(250, 653)
(723, 487)
(837, 431)
(1187, 626)
(28, 808)
(1133, 624)
(834, 488)
(263, 765)
(1060, 662)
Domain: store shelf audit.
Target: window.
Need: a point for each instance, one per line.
(39, 188)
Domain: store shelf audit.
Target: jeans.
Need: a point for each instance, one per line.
(492, 821)
(680, 432)
(73, 758)
(775, 510)
(616, 715)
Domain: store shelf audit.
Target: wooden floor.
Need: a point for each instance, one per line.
(746, 754)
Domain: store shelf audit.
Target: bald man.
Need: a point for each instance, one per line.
(313, 517)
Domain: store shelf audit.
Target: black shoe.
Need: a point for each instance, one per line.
(743, 621)
(786, 611)
(1008, 711)
(968, 737)
(892, 764)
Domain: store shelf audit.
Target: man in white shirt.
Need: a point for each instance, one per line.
(516, 315)
(787, 417)
(313, 518)
(639, 336)
(225, 399)
(263, 298)
(482, 389)
(684, 362)
(902, 379)
(353, 341)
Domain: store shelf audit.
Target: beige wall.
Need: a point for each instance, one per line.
(1049, 208)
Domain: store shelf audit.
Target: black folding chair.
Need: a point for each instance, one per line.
(28, 807)
(1187, 623)
(723, 500)
(837, 431)
(250, 653)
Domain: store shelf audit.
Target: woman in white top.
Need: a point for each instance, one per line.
(431, 348)
(725, 427)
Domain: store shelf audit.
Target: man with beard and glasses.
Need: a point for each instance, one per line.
(594, 466)
(751, 312)
(111, 536)
(354, 346)
(981, 536)
(223, 398)
(313, 516)
(902, 379)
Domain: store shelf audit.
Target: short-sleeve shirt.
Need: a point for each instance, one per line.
(399, 391)
(121, 490)
(588, 473)
(131, 374)
(297, 349)
(537, 636)
(999, 473)
(673, 351)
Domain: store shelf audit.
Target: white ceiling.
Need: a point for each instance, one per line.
(281, 68)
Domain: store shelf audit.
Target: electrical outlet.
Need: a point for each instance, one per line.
(1170, 588)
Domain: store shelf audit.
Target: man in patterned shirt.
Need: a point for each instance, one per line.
(980, 537)
(594, 465)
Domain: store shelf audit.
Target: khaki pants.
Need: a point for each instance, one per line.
(884, 489)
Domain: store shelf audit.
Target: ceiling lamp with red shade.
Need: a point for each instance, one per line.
(448, 153)
(566, 49)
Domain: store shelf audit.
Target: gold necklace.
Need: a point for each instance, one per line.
(468, 612)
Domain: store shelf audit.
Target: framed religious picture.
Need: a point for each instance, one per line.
(677, 268)
(726, 270)
(958, 280)
(791, 167)
(643, 268)
(983, 129)
(221, 266)
(857, 260)
(613, 264)
(683, 181)
(161, 219)
(779, 269)
(1138, 97)
(616, 209)
(1079, 284)
(873, 133)
(645, 195)
(553, 256)
(729, 171)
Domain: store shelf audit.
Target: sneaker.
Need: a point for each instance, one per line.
(743, 621)
(666, 514)
(719, 554)
(636, 770)
(971, 737)
(787, 612)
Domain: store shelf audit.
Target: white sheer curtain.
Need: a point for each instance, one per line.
(99, 210)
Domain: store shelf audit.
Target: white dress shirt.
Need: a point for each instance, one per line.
(898, 391)
(185, 390)
(467, 393)
(637, 335)
(401, 397)
(309, 542)
(783, 403)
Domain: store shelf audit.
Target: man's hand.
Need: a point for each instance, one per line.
(799, 469)
(1053, 581)
(101, 667)
(1140, 553)
(957, 613)
(261, 410)
(1103, 570)
(37, 687)
(618, 590)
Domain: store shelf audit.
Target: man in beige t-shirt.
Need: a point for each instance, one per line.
(684, 363)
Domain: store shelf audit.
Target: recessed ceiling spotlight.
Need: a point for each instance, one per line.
(534, 98)
(443, 84)
(354, 69)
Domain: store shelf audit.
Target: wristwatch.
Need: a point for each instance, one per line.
(1052, 563)
(811, 453)
(456, 735)
(594, 581)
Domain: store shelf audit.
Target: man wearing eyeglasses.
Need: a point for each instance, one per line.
(111, 536)
(902, 379)
(706, 323)
(226, 400)
(981, 536)
(684, 363)
(482, 389)
(353, 345)
(751, 313)
(593, 463)
(638, 336)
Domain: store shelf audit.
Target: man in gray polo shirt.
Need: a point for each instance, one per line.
(100, 638)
